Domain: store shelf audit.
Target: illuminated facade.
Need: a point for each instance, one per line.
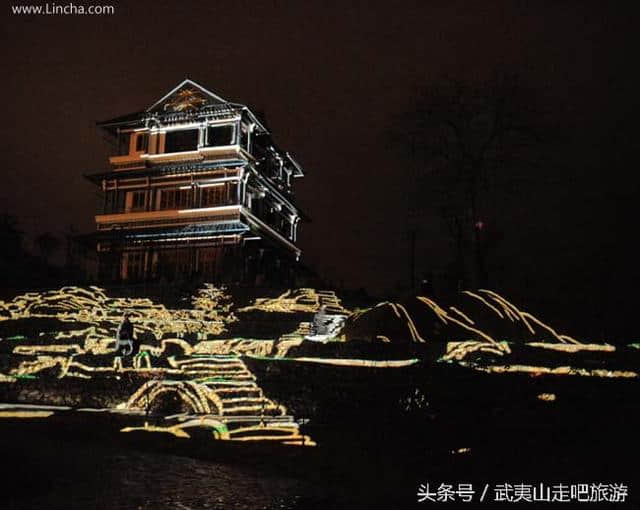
(198, 189)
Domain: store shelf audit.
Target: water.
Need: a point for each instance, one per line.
(85, 476)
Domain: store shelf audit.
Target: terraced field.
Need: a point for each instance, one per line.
(186, 369)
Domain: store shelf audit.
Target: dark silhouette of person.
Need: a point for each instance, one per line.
(124, 336)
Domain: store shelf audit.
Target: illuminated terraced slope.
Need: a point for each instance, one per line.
(192, 370)
(479, 329)
(207, 380)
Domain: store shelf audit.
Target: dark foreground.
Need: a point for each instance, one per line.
(477, 429)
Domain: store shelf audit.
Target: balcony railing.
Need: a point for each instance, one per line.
(167, 217)
(139, 159)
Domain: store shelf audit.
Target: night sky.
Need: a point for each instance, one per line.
(332, 78)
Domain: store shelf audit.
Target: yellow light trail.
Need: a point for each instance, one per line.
(564, 370)
(525, 317)
(445, 317)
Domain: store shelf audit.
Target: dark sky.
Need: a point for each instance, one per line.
(331, 78)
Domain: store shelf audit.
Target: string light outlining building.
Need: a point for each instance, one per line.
(198, 187)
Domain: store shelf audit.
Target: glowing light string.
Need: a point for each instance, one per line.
(412, 327)
(465, 317)
(396, 308)
(25, 414)
(525, 316)
(224, 386)
(459, 350)
(484, 301)
(300, 300)
(210, 314)
(351, 362)
(573, 347)
(564, 370)
(445, 317)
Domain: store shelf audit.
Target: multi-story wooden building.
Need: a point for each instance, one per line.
(198, 188)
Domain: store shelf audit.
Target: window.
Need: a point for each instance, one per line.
(207, 261)
(184, 259)
(175, 198)
(233, 192)
(135, 265)
(175, 263)
(214, 195)
(137, 199)
(220, 135)
(114, 201)
(181, 141)
(142, 142)
(110, 202)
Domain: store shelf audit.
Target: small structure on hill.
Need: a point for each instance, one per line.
(326, 325)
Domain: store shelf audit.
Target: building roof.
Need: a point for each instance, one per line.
(187, 94)
(185, 101)
(112, 125)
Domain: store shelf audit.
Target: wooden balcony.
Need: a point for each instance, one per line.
(146, 219)
(140, 160)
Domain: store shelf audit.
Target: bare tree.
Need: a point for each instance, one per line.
(463, 133)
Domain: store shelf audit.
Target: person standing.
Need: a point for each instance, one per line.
(124, 346)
